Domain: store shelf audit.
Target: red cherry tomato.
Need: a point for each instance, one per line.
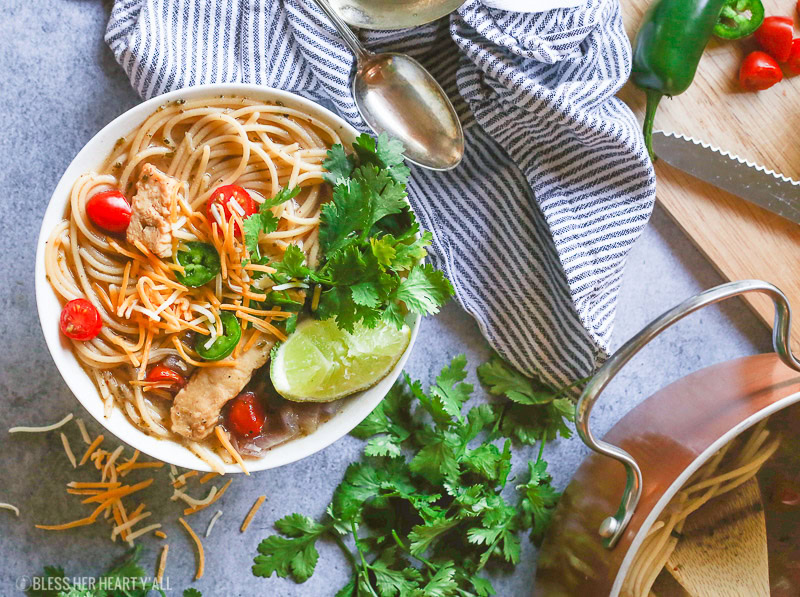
(80, 320)
(775, 37)
(246, 415)
(221, 196)
(759, 71)
(164, 374)
(109, 210)
(793, 64)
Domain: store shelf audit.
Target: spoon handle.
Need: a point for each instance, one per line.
(344, 30)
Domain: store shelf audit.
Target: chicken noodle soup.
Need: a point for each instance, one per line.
(168, 309)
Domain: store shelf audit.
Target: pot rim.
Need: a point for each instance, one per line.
(681, 480)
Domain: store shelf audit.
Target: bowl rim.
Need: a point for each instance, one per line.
(91, 156)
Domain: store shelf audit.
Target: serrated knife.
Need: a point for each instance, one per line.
(754, 183)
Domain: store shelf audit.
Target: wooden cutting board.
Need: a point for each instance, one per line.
(740, 239)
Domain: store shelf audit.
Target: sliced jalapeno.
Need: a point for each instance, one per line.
(739, 18)
(200, 263)
(223, 345)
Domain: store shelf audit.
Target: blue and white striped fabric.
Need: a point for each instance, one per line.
(533, 228)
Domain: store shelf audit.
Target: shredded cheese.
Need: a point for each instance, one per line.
(160, 534)
(178, 494)
(131, 522)
(52, 427)
(218, 495)
(250, 515)
(68, 450)
(201, 556)
(207, 477)
(92, 447)
(162, 564)
(140, 532)
(14, 509)
(222, 436)
(212, 522)
(84, 433)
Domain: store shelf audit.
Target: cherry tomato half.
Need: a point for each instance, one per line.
(759, 71)
(793, 64)
(222, 196)
(163, 374)
(109, 210)
(246, 415)
(775, 37)
(80, 320)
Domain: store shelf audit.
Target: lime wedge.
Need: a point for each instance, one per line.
(320, 362)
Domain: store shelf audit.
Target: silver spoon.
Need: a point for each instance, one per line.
(396, 95)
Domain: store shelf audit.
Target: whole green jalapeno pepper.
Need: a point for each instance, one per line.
(667, 50)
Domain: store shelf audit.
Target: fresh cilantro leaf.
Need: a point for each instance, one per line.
(448, 392)
(422, 536)
(296, 556)
(192, 593)
(338, 165)
(443, 583)
(346, 216)
(482, 586)
(394, 315)
(391, 581)
(539, 500)
(387, 196)
(365, 294)
(407, 255)
(264, 220)
(424, 290)
(294, 263)
(383, 249)
(501, 378)
(282, 196)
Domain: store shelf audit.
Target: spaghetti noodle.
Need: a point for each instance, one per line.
(735, 464)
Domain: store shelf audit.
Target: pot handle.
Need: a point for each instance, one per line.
(612, 527)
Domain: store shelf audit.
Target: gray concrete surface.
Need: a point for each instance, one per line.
(59, 84)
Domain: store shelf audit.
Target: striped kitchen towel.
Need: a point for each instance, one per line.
(533, 228)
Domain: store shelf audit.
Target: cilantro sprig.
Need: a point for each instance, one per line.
(371, 243)
(425, 511)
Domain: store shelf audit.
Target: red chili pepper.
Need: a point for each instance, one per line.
(246, 415)
(775, 37)
(793, 64)
(759, 71)
(161, 373)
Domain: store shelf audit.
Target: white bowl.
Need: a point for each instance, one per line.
(91, 157)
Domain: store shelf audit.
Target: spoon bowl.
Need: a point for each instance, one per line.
(396, 95)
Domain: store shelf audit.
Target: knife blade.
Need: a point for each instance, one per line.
(766, 188)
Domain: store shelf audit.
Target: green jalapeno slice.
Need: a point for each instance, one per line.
(223, 345)
(200, 263)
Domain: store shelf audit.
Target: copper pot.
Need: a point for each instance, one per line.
(620, 491)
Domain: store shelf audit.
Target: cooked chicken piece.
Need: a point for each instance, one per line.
(197, 406)
(151, 205)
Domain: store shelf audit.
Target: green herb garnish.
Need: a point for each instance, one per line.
(370, 240)
(264, 221)
(424, 510)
